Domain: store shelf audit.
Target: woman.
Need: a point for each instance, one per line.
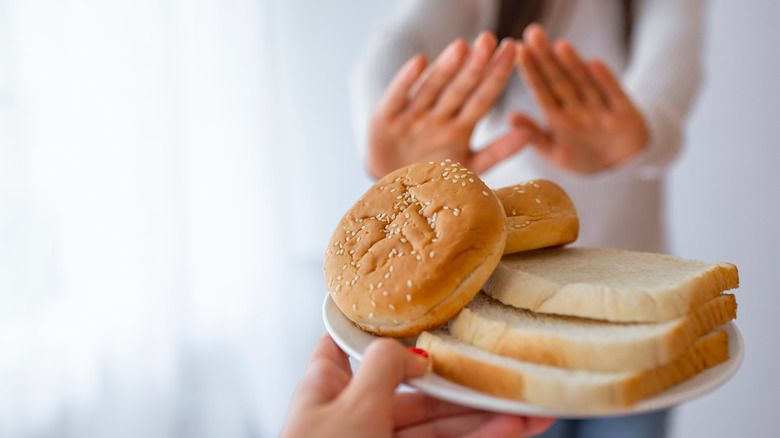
(605, 130)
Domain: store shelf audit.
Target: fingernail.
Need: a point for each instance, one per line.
(505, 41)
(419, 351)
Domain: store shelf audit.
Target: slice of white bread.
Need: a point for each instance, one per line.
(572, 391)
(607, 284)
(586, 344)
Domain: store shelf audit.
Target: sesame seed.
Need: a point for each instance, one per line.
(418, 257)
(463, 183)
(373, 304)
(434, 240)
(471, 179)
(370, 315)
(538, 201)
(385, 293)
(408, 297)
(352, 252)
(392, 307)
(387, 276)
(433, 253)
(338, 287)
(403, 240)
(409, 283)
(371, 286)
(514, 212)
(354, 307)
(484, 193)
(446, 208)
(391, 269)
(379, 284)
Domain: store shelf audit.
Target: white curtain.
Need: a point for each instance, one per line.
(140, 221)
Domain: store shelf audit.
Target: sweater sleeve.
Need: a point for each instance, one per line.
(663, 75)
(416, 27)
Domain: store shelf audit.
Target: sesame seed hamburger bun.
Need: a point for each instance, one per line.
(415, 249)
(539, 214)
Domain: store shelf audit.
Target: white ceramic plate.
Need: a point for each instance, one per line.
(354, 342)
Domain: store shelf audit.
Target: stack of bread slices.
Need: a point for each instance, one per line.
(583, 330)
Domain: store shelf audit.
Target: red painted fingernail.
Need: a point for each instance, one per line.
(419, 351)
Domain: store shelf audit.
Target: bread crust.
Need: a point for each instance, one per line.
(415, 249)
(539, 214)
(574, 344)
(575, 392)
(622, 286)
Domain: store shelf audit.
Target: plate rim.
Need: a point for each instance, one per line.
(438, 387)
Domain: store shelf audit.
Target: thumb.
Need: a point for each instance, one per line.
(537, 135)
(499, 150)
(386, 364)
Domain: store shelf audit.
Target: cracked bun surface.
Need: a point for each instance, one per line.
(539, 214)
(415, 249)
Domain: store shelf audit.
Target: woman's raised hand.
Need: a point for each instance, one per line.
(591, 123)
(429, 112)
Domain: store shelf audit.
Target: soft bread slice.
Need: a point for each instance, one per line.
(572, 391)
(539, 214)
(585, 344)
(608, 284)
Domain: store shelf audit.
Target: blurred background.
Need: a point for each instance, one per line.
(171, 171)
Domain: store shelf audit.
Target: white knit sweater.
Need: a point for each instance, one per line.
(620, 207)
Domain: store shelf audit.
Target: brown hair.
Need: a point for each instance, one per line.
(515, 15)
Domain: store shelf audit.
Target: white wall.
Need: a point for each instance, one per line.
(722, 191)
(724, 194)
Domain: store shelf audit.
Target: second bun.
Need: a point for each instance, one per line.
(539, 214)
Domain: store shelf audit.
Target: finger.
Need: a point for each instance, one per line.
(488, 91)
(533, 79)
(609, 85)
(536, 40)
(326, 349)
(476, 424)
(386, 364)
(456, 92)
(437, 76)
(512, 426)
(397, 94)
(455, 426)
(578, 72)
(413, 408)
(523, 122)
(499, 150)
(327, 373)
